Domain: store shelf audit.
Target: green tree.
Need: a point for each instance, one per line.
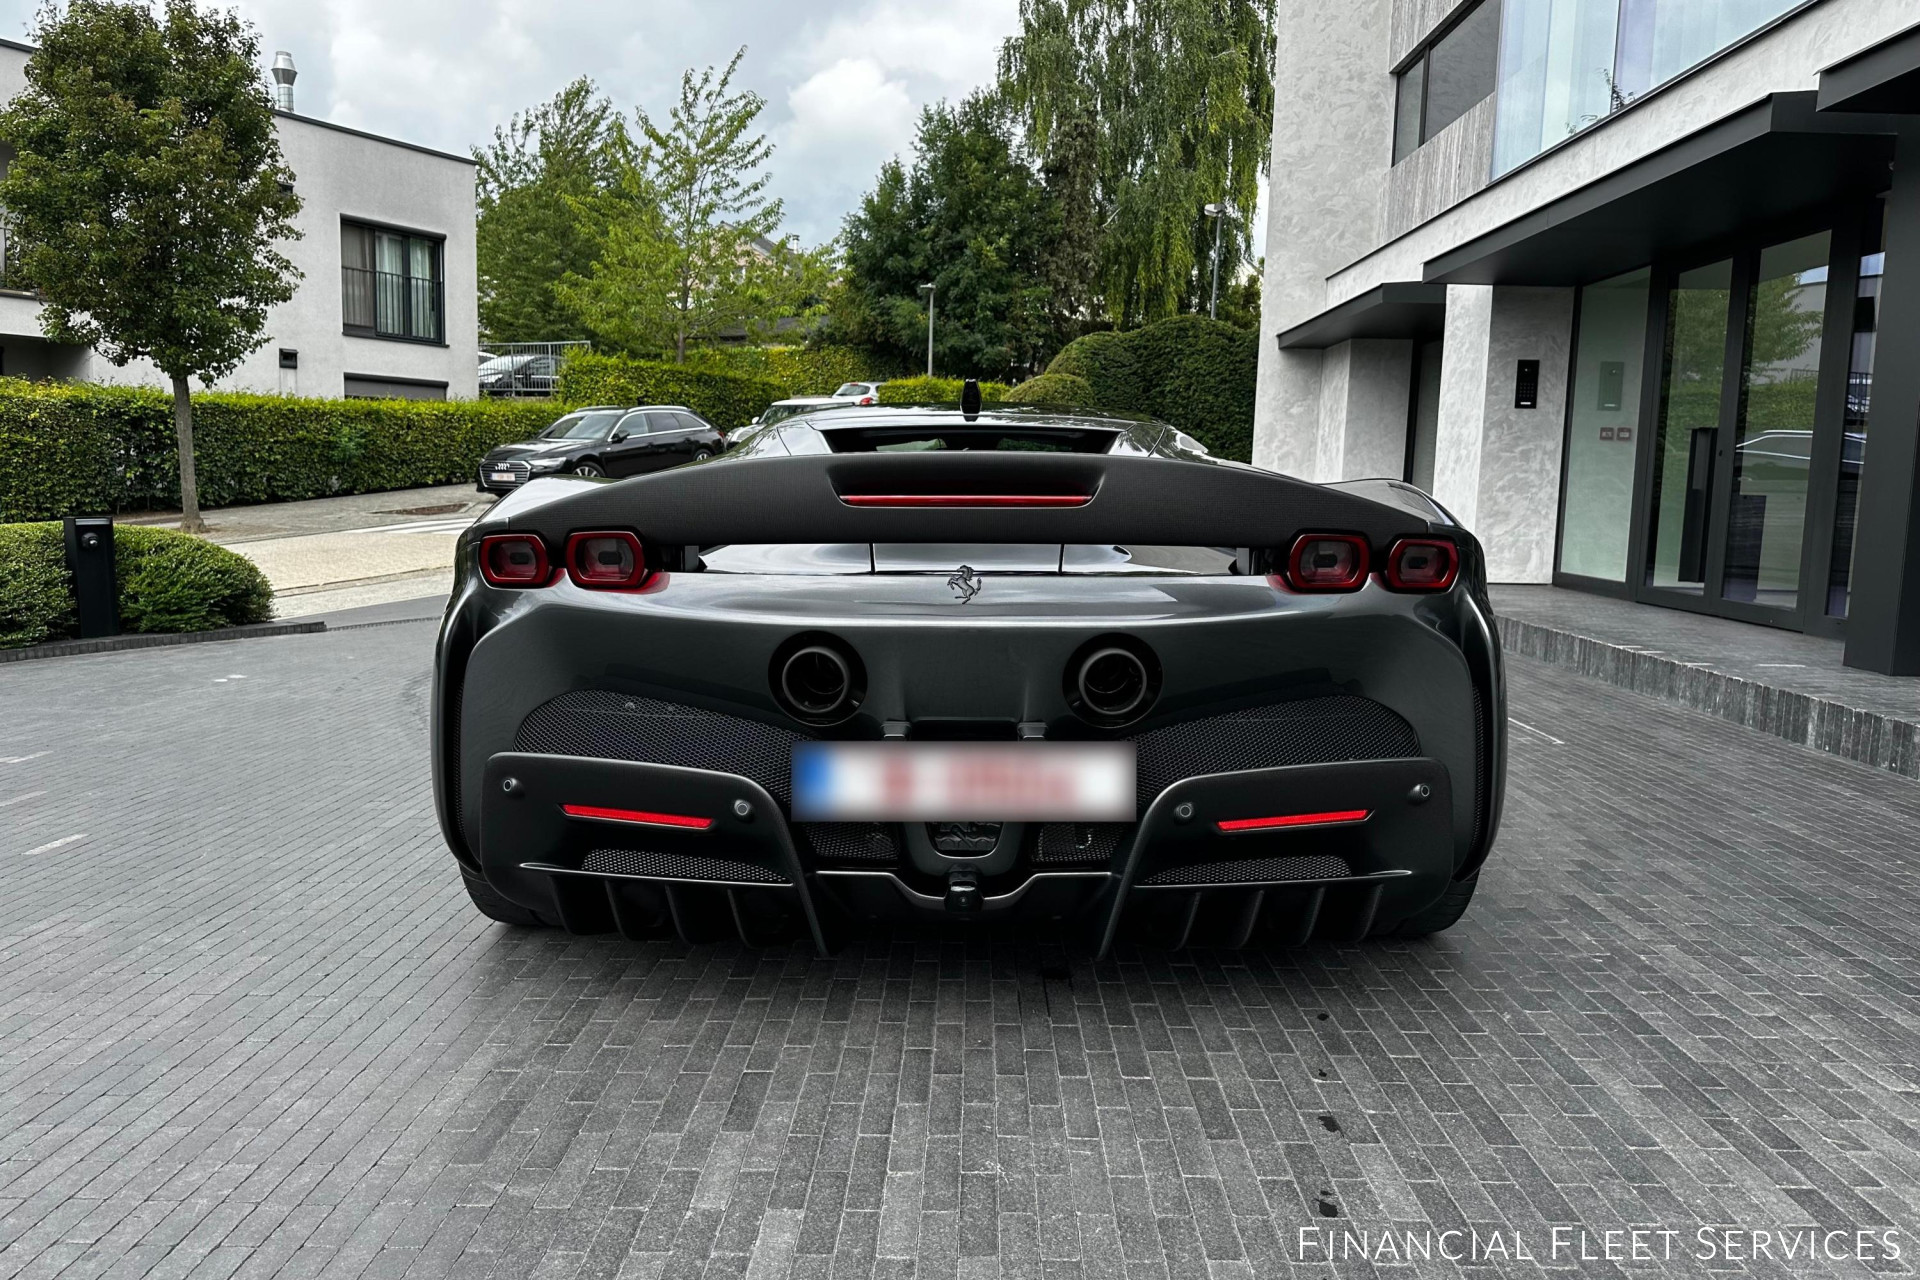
(1179, 94)
(971, 217)
(687, 228)
(147, 192)
(531, 233)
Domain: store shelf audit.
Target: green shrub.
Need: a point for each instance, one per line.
(166, 581)
(728, 400)
(803, 371)
(1064, 389)
(171, 581)
(1195, 373)
(924, 390)
(36, 598)
(76, 449)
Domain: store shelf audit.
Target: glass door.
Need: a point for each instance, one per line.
(1742, 470)
(1687, 428)
(1774, 424)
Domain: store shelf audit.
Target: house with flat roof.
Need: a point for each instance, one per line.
(387, 301)
(1630, 286)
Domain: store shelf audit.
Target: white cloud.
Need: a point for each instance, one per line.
(844, 79)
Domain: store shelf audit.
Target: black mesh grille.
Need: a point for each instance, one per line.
(1078, 842)
(1253, 871)
(850, 841)
(1308, 731)
(677, 866)
(613, 726)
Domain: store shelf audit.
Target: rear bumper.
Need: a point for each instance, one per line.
(652, 849)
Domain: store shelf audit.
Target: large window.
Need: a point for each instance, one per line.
(1685, 434)
(1565, 64)
(1447, 78)
(1853, 444)
(1604, 408)
(390, 284)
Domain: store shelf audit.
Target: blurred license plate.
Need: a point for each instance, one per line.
(502, 477)
(963, 782)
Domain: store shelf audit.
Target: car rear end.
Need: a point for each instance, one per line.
(629, 739)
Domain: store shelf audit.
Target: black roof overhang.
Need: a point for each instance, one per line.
(1884, 78)
(1394, 310)
(1778, 160)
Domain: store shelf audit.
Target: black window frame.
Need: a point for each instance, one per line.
(437, 283)
(1420, 63)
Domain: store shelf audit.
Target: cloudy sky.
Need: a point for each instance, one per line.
(844, 79)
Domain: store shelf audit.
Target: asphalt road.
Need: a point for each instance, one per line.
(250, 1026)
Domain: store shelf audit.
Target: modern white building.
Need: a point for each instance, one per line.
(1631, 286)
(387, 301)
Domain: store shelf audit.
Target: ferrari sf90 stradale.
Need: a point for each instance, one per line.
(952, 667)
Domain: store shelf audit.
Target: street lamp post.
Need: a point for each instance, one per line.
(1213, 298)
(928, 290)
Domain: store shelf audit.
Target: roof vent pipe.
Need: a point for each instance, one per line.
(283, 78)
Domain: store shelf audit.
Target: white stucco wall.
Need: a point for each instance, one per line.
(338, 174)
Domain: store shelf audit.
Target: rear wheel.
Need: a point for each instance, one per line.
(588, 469)
(1443, 914)
(702, 455)
(495, 907)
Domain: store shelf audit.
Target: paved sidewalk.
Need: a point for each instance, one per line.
(251, 1027)
(328, 554)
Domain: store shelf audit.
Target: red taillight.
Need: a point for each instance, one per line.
(966, 499)
(1331, 818)
(513, 560)
(867, 400)
(1327, 562)
(641, 817)
(605, 560)
(1422, 564)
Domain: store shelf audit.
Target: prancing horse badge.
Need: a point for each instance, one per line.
(965, 583)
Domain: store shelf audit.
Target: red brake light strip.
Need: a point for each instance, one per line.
(1333, 818)
(966, 499)
(640, 816)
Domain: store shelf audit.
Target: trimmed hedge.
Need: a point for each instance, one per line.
(1195, 373)
(167, 581)
(728, 400)
(77, 449)
(1064, 389)
(803, 371)
(924, 390)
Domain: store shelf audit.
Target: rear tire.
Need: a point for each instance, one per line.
(495, 907)
(1443, 914)
(702, 456)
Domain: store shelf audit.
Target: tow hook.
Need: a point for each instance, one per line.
(963, 891)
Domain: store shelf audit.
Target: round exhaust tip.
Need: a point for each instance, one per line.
(1113, 682)
(818, 680)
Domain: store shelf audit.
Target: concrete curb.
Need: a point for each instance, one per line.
(1886, 742)
(115, 644)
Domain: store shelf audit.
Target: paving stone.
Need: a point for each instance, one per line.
(250, 1026)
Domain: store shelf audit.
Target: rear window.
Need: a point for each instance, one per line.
(920, 439)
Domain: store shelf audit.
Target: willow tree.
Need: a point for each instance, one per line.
(1178, 96)
(147, 193)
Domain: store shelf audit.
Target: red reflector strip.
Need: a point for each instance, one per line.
(966, 499)
(1333, 818)
(640, 816)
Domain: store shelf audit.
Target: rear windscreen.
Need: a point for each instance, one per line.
(947, 439)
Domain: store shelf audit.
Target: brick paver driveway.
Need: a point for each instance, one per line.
(249, 1025)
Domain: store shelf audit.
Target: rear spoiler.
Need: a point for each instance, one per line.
(966, 497)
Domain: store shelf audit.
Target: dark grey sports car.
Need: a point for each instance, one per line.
(890, 665)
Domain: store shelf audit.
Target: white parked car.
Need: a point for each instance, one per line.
(858, 393)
